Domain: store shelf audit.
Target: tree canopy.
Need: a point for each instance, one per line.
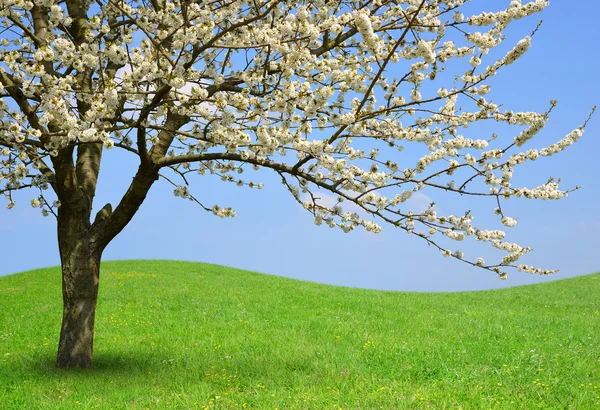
(325, 93)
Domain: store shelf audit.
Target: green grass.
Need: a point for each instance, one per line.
(189, 335)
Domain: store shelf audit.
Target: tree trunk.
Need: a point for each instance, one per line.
(80, 277)
(81, 242)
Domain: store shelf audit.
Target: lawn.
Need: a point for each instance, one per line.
(194, 336)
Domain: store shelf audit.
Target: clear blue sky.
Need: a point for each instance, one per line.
(272, 234)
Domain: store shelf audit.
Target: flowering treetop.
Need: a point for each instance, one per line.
(325, 93)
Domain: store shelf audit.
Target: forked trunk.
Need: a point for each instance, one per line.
(80, 278)
(81, 242)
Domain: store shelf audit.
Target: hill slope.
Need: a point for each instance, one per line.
(190, 335)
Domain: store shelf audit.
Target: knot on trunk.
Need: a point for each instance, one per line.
(103, 214)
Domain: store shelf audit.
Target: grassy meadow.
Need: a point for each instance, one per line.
(195, 336)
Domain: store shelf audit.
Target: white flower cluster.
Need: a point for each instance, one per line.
(520, 49)
(484, 41)
(223, 212)
(362, 21)
(515, 11)
(569, 140)
(508, 221)
(425, 49)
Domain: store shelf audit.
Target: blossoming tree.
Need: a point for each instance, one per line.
(324, 93)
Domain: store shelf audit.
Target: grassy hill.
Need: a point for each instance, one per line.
(191, 336)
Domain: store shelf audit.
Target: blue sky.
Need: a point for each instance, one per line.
(273, 234)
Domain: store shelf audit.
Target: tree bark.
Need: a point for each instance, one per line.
(80, 261)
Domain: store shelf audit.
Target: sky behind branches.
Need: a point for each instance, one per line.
(273, 234)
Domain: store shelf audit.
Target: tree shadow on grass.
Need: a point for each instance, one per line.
(138, 364)
(125, 362)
